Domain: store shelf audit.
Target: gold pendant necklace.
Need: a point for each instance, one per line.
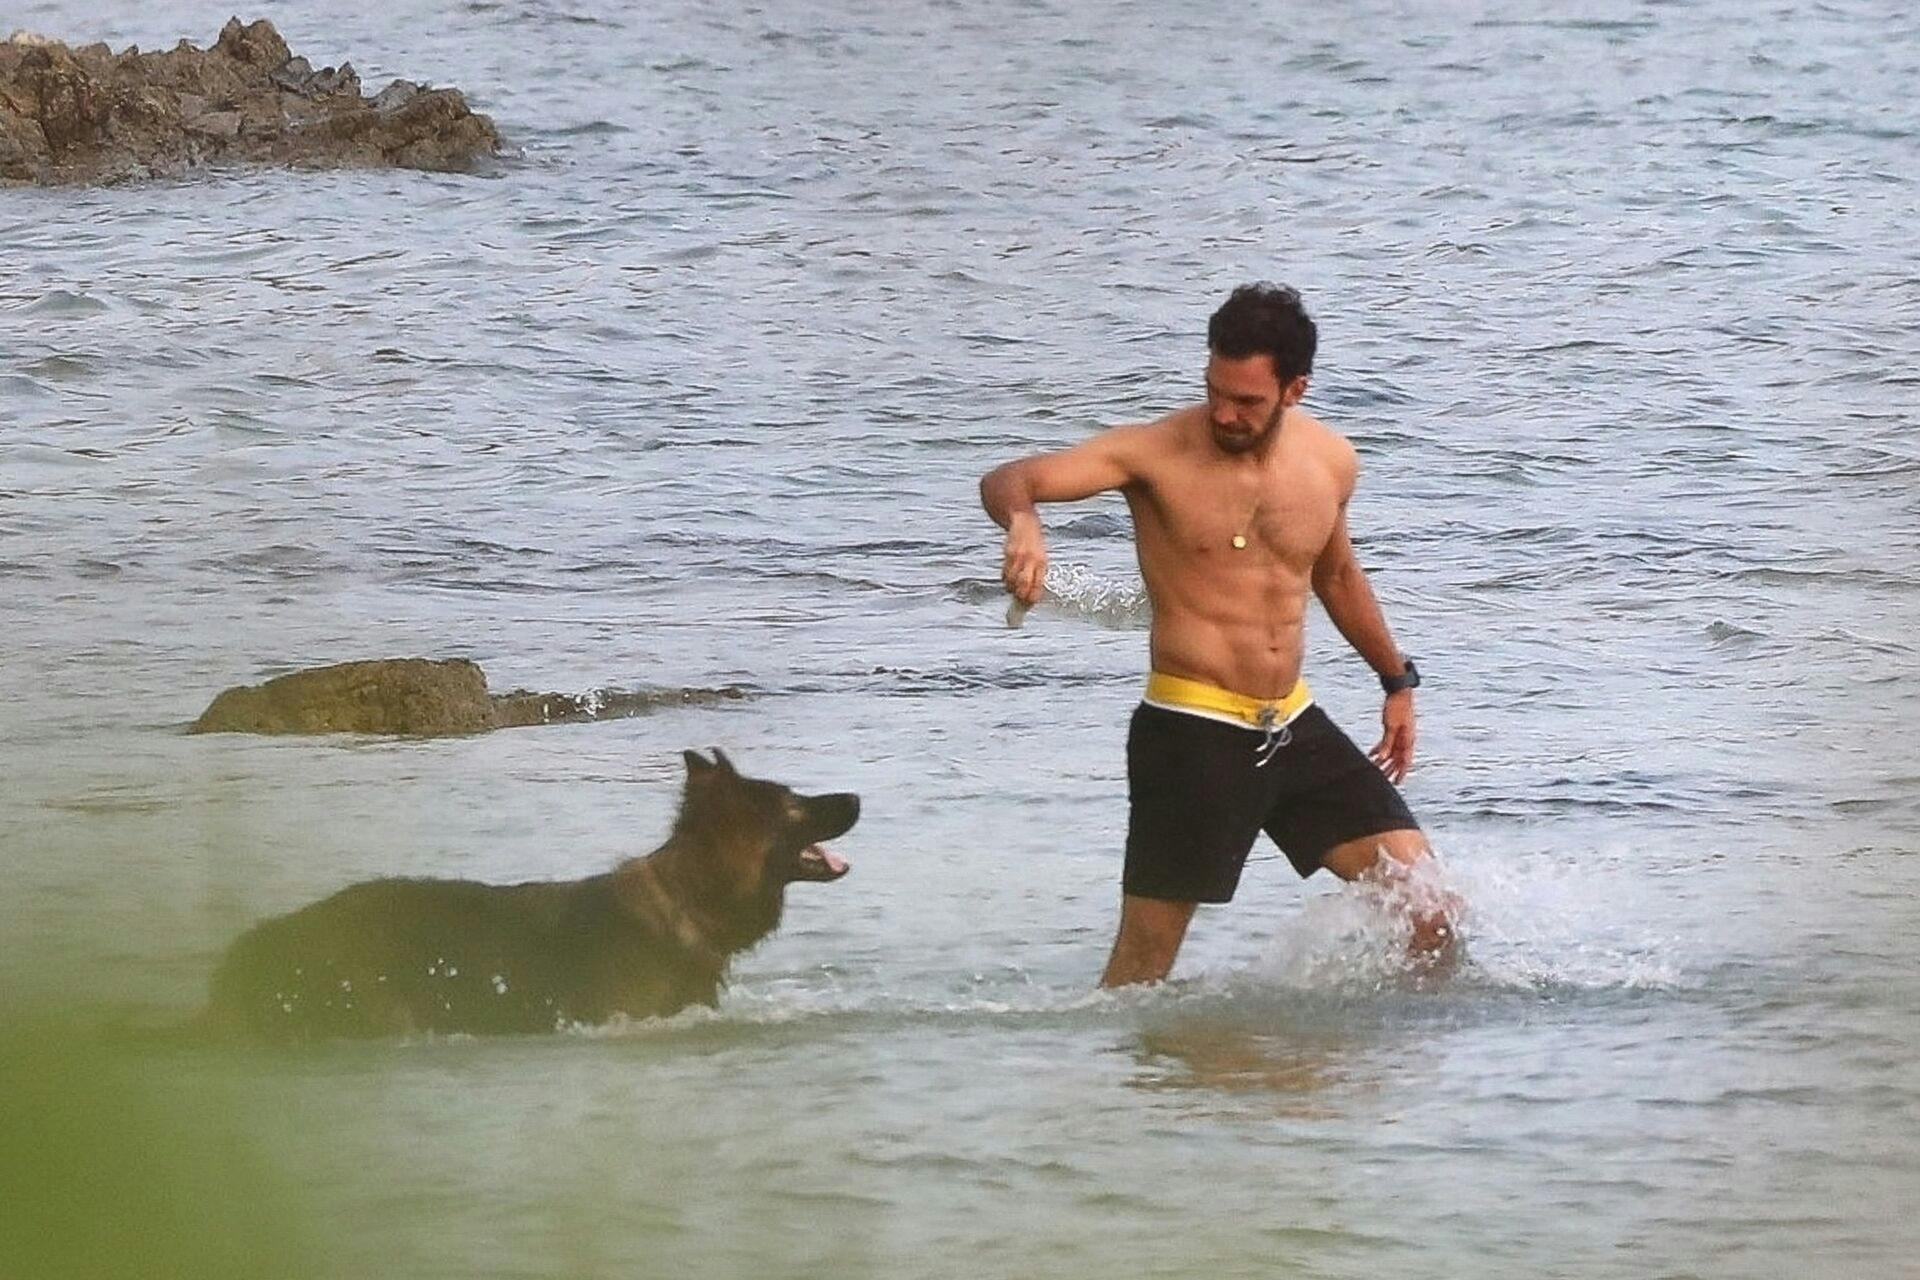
(1246, 526)
(1240, 539)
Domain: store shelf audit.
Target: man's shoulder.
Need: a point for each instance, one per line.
(1149, 441)
(1168, 426)
(1329, 446)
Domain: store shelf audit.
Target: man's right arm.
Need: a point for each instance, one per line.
(1010, 494)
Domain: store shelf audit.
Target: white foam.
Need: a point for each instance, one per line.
(1555, 920)
(1531, 923)
(1079, 591)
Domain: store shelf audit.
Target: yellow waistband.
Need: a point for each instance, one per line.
(1177, 693)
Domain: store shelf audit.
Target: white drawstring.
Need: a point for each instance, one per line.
(1277, 736)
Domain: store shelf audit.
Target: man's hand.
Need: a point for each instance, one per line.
(1023, 566)
(1394, 755)
(1111, 460)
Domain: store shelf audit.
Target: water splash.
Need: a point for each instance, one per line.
(1547, 922)
(1353, 942)
(1538, 924)
(1078, 591)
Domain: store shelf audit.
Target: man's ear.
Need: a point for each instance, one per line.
(1294, 392)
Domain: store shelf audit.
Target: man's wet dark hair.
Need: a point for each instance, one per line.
(1265, 319)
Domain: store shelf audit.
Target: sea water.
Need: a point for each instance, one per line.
(1621, 307)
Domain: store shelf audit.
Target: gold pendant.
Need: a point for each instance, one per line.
(1239, 542)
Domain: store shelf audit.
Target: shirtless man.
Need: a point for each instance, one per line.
(1239, 506)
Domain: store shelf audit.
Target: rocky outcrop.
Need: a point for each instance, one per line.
(90, 115)
(419, 697)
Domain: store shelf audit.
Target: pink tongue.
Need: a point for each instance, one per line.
(835, 863)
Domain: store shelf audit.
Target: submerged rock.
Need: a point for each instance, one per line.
(90, 115)
(394, 695)
(524, 707)
(420, 697)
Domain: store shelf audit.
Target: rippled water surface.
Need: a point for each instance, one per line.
(693, 391)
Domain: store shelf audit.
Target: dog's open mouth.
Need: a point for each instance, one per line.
(823, 818)
(817, 862)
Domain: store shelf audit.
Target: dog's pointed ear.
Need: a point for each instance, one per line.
(698, 766)
(721, 762)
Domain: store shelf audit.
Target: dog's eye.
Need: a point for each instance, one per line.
(796, 811)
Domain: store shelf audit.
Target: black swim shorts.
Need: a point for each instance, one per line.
(1199, 796)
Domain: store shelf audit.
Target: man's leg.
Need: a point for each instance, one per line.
(1151, 930)
(1400, 862)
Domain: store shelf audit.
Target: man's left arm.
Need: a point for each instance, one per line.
(1342, 586)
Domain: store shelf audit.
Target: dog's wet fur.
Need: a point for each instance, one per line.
(405, 957)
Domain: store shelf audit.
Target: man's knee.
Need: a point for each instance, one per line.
(1402, 863)
(1382, 856)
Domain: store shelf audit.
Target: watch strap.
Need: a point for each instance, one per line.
(1408, 679)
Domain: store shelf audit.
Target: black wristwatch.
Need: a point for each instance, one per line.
(1408, 679)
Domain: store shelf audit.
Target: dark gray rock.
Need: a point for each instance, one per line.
(89, 115)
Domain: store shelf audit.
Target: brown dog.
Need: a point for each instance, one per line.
(652, 936)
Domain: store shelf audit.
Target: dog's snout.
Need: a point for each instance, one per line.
(838, 813)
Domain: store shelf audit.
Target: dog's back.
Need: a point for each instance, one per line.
(391, 957)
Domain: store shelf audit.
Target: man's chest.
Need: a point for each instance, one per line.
(1206, 516)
